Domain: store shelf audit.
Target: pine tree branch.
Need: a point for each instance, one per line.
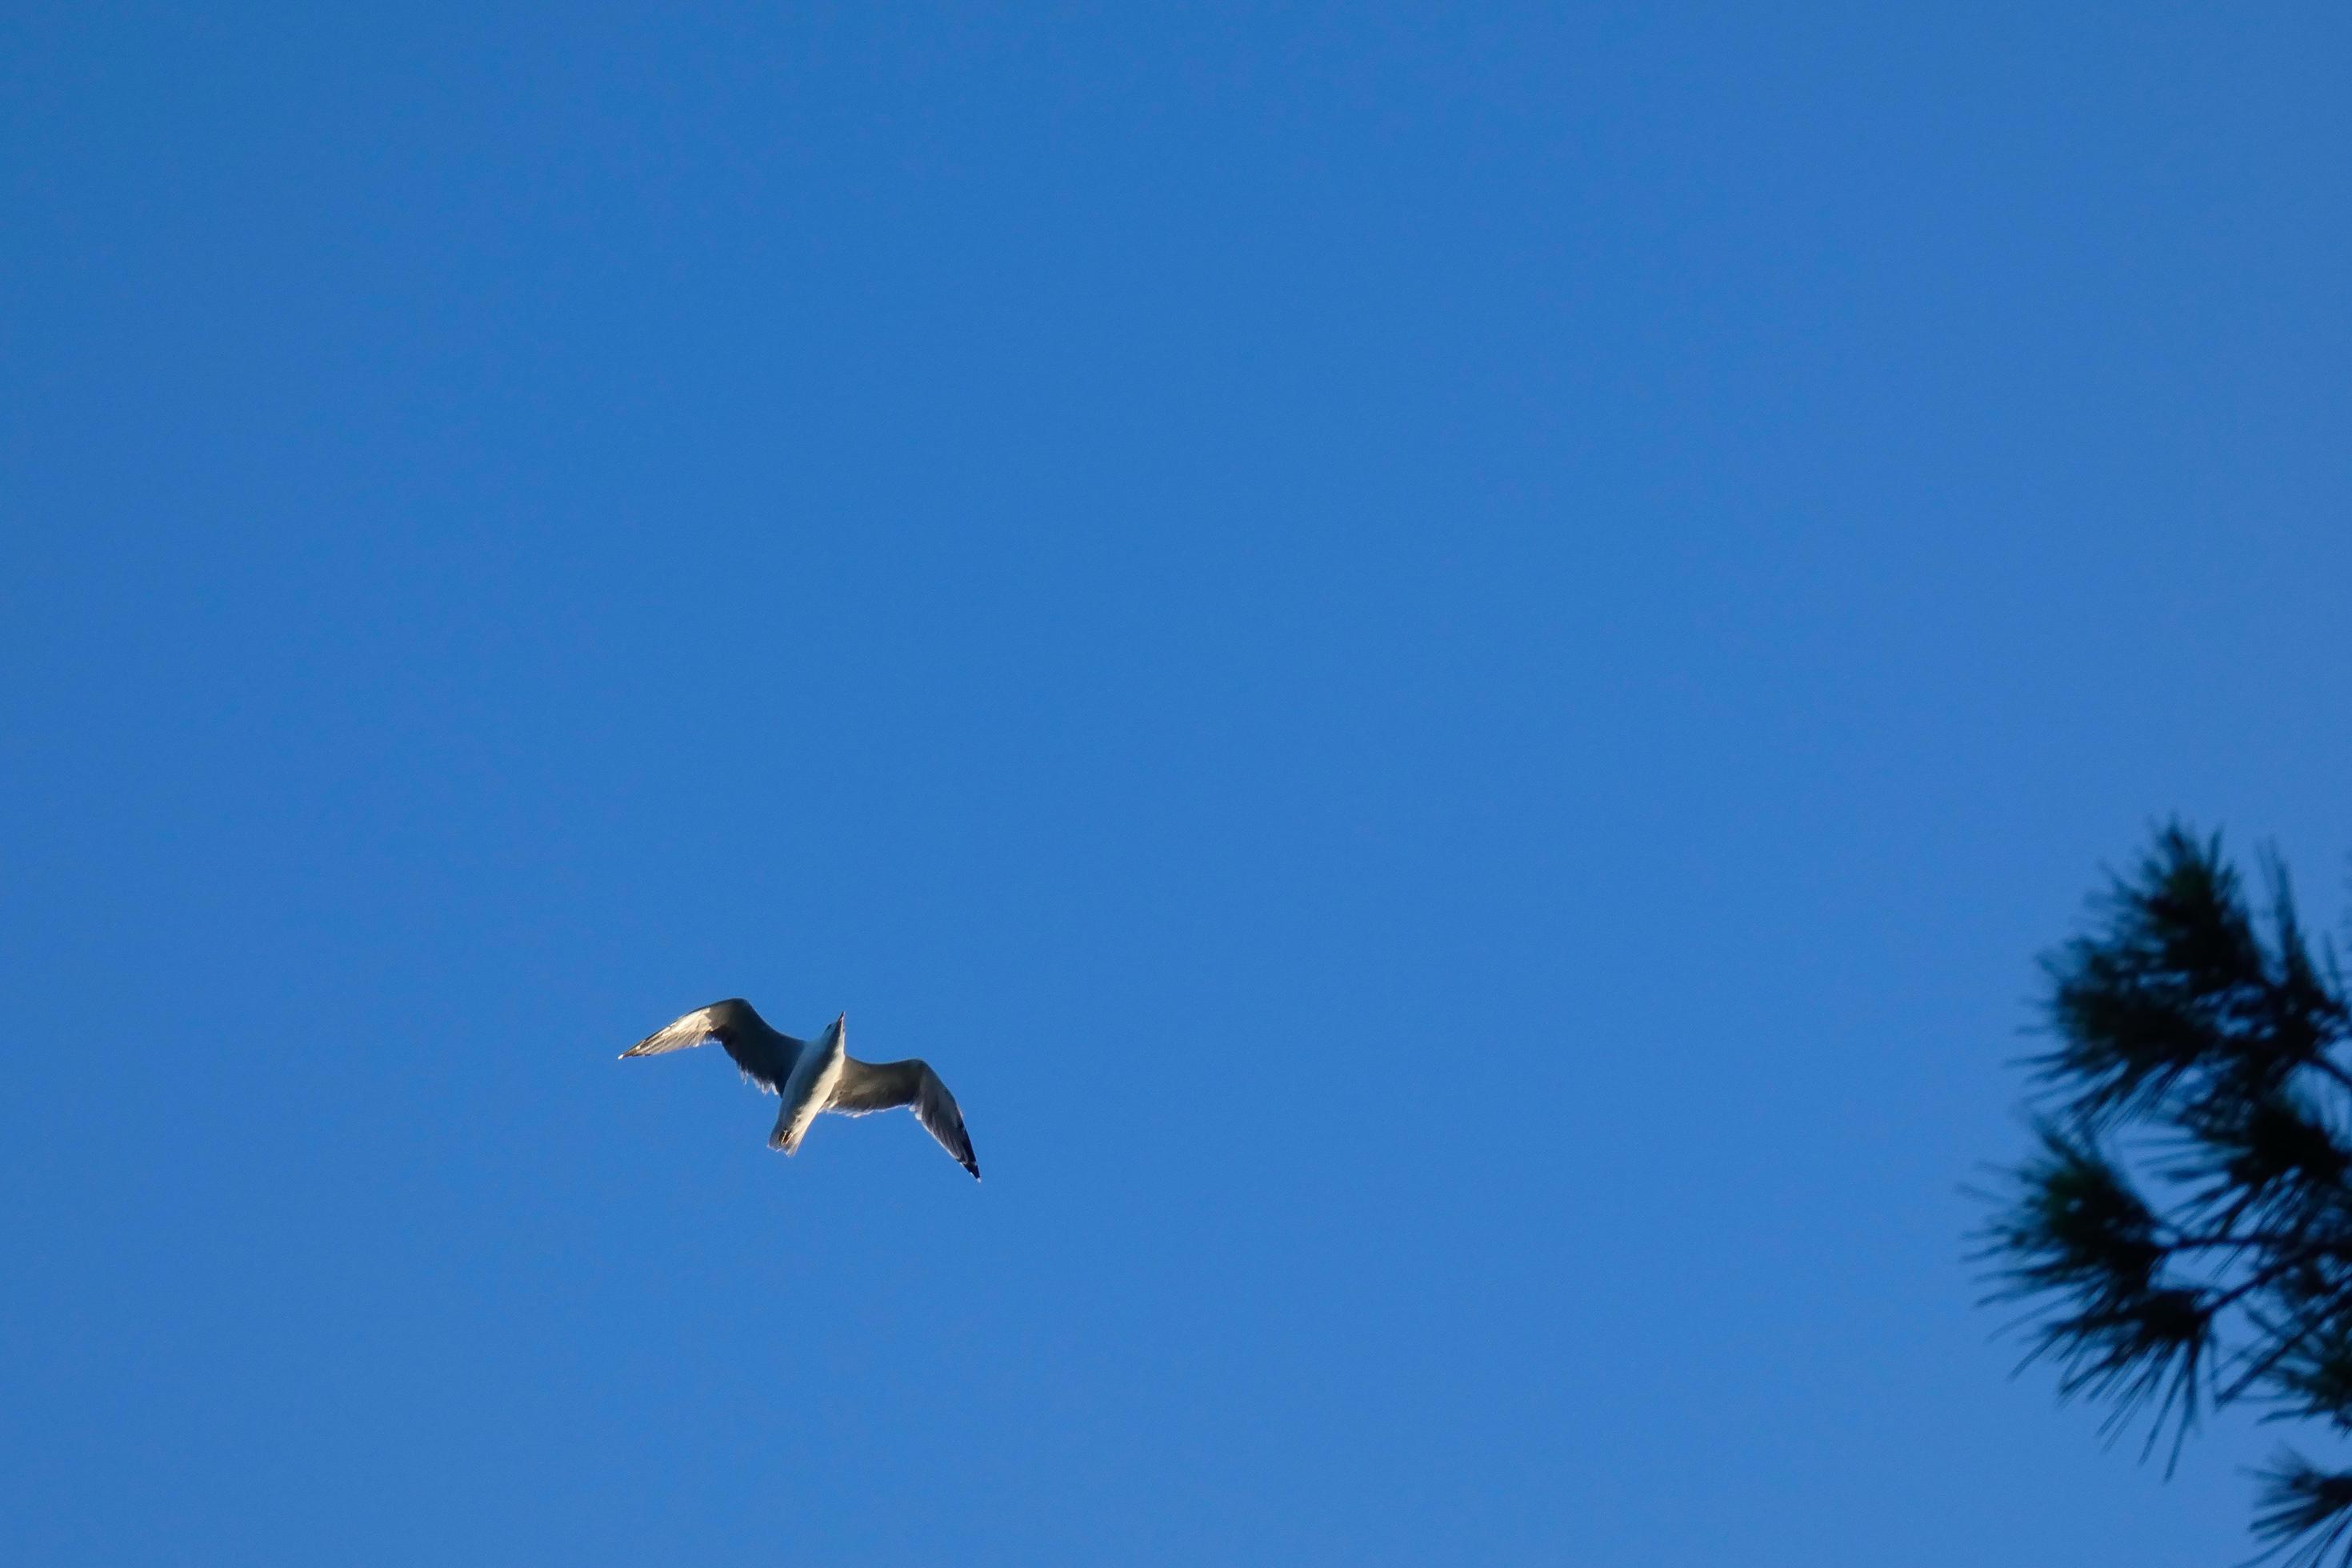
(2262, 1239)
(2187, 1016)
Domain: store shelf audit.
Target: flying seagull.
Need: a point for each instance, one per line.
(816, 1075)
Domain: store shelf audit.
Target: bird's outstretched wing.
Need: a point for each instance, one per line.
(765, 1056)
(866, 1087)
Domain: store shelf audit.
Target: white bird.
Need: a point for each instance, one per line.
(812, 1075)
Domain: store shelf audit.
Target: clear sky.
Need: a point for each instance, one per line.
(1450, 665)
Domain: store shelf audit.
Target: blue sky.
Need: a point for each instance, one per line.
(1451, 665)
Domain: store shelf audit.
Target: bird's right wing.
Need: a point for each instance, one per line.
(765, 1056)
(867, 1086)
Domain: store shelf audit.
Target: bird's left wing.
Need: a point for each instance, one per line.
(867, 1086)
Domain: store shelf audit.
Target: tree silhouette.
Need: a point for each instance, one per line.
(2183, 1230)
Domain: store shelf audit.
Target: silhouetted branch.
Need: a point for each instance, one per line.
(2179, 1023)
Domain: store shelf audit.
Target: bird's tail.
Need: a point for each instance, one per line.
(786, 1137)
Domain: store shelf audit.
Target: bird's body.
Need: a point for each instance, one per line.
(812, 1077)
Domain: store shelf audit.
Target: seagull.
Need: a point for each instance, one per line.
(811, 1076)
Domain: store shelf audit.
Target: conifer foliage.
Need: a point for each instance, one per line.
(2180, 1234)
